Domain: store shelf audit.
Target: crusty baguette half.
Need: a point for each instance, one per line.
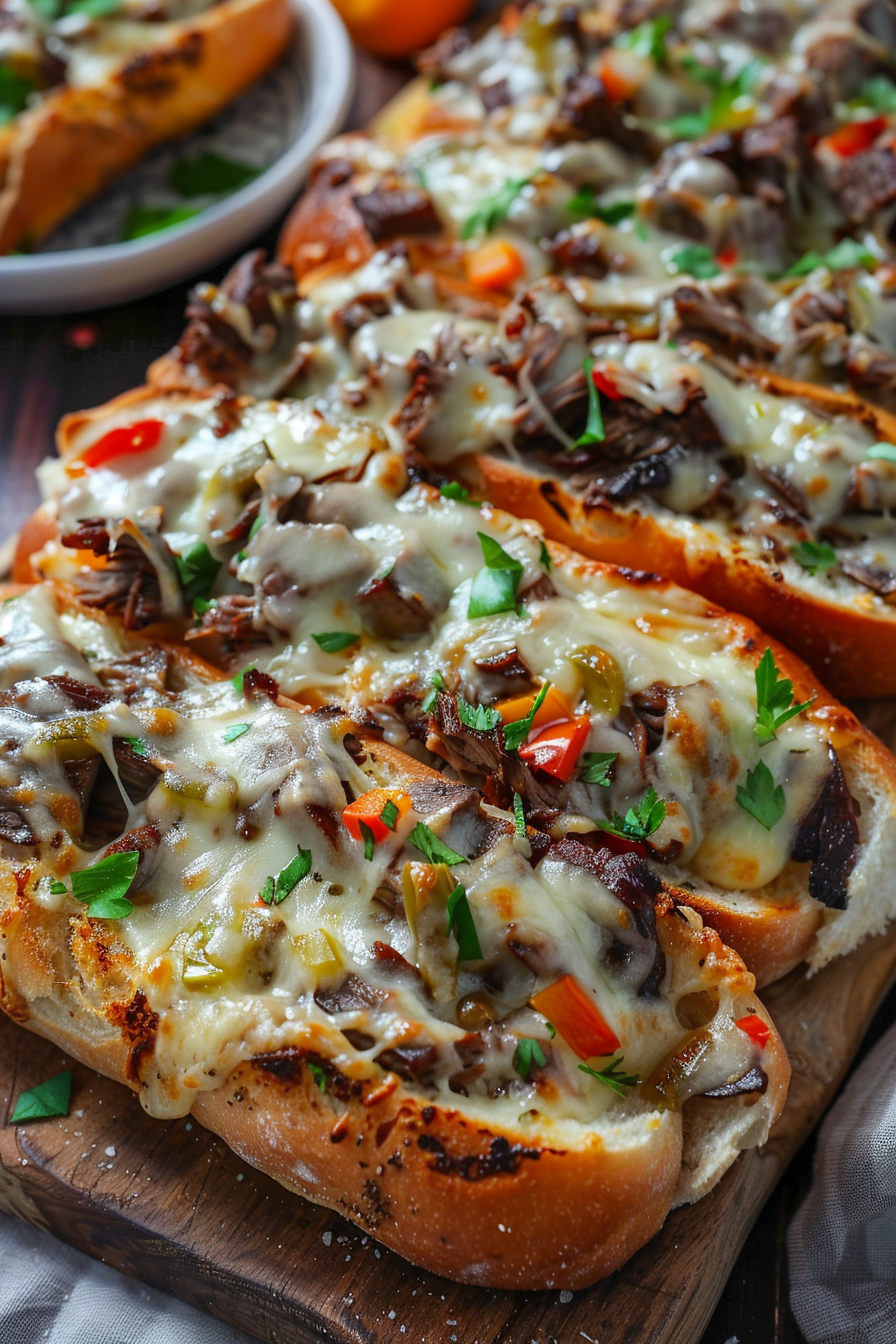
(309, 529)
(75, 140)
(326, 1019)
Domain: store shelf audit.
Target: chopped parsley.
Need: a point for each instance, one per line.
(454, 490)
(428, 703)
(422, 838)
(774, 699)
(334, 641)
(460, 922)
(584, 205)
(882, 452)
(238, 682)
(762, 797)
(14, 91)
(276, 889)
(879, 93)
(814, 556)
(515, 734)
(494, 209)
(527, 1056)
(103, 887)
(519, 816)
(369, 840)
(594, 426)
(842, 257)
(647, 39)
(613, 1076)
(318, 1074)
(494, 587)
(544, 559)
(698, 261)
(716, 113)
(44, 1102)
(597, 767)
(235, 730)
(136, 744)
(389, 815)
(639, 822)
(478, 717)
(145, 219)
(197, 570)
(210, 174)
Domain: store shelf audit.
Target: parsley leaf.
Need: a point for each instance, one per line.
(318, 1074)
(647, 39)
(95, 9)
(762, 797)
(515, 734)
(774, 699)
(716, 114)
(209, 174)
(437, 682)
(276, 889)
(144, 219)
(460, 493)
(197, 571)
(879, 93)
(478, 717)
(136, 744)
(389, 815)
(698, 261)
(493, 210)
(882, 452)
(544, 559)
(519, 816)
(103, 887)
(594, 426)
(494, 587)
(584, 205)
(44, 1102)
(639, 822)
(613, 1076)
(235, 730)
(14, 91)
(334, 641)
(369, 840)
(842, 257)
(460, 921)
(528, 1055)
(690, 125)
(422, 838)
(814, 556)
(237, 682)
(597, 767)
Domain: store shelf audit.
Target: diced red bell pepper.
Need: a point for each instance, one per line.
(369, 809)
(618, 844)
(557, 748)
(123, 442)
(854, 137)
(603, 384)
(569, 1008)
(757, 1030)
(727, 257)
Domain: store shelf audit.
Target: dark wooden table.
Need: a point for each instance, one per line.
(51, 365)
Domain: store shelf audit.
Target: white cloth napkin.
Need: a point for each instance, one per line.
(842, 1241)
(51, 1294)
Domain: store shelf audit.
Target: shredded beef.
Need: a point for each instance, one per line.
(138, 775)
(127, 585)
(390, 213)
(434, 60)
(81, 694)
(389, 613)
(872, 370)
(232, 618)
(754, 1080)
(499, 773)
(878, 578)
(256, 683)
(587, 112)
(828, 838)
(144, 673)
(650, 706)
(864, 183)
(15, 830)
(495, 95)
(710, 318)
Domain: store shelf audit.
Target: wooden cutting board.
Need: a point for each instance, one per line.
(169, 1204)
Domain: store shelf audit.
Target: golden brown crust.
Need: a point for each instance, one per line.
(76, 140)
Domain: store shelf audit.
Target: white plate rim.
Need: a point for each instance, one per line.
(91, 277)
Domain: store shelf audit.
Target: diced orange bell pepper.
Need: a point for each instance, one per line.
(495, 265)
(122, 442)
(557, 747)
(854, 137)
(369, 810)
(552, 709)
(757, 1030)
(622, 72)
(569, 1008)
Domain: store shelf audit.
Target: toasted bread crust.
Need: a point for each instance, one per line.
(76, 140)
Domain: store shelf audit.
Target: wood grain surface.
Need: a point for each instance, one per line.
(173, 1207)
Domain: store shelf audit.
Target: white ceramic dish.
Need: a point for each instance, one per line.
(281, 123)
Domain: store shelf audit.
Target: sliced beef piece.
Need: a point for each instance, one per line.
(754, 1080)
(872, 370)
(143, 674)
(632, 882)
(583, 252)
(819, 308)
(650, 706)
(496, 94)
(428, 378)
(232, 619)
(14, 829)
(362, 309)
(828, 838)
(878, 578)
(254, 282)
(392, 211)
(498, 772)
(587, 112)
(126, 586)
(348, 996)
(707, 317)
(388, 612)
(865, 183)
(435, 61)
(763, 27)
(81, 694)
(137, 774)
